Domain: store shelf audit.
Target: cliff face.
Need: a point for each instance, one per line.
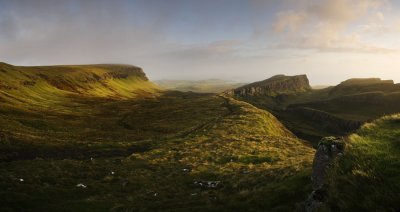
(273, 86)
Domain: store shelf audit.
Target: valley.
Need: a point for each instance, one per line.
(316, 113)
(199, 106)
(105, 138)
(90, 144)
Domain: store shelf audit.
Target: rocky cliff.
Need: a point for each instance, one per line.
(279, 84)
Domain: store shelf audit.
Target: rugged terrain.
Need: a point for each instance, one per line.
(103, 137)
(366, 177)
(337, 110)
(276, 85)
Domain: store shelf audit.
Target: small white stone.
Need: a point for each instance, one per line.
(21, 180)
(80, 185)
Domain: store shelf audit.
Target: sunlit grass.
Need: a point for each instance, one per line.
(370, 167)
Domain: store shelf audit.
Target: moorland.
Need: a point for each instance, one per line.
(106, 138)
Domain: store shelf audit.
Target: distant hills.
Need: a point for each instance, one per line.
(200, 86)
(315, 113)
(276, 85)
(104, 80)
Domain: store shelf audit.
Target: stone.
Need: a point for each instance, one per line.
(329, 150)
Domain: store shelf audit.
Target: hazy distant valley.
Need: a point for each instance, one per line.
(104, 137)
(200, 86)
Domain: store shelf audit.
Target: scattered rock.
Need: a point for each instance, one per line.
(186, 170)
(208, 184)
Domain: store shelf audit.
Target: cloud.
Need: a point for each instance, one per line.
(326, 25)
(223, 49)
(290, 21)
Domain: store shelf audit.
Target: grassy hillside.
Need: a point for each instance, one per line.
(34, 85)
(134, 147)
(367, 177)
(201, 86)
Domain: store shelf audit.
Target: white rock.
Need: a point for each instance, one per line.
(80, 185)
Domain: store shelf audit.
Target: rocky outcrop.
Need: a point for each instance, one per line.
(279, 84)
(330, 149)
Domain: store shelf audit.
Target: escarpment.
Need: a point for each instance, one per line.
(279, 84)
(104, 80)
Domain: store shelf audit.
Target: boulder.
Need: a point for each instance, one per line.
(329, 150)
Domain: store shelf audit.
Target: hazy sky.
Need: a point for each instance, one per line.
(243, 40)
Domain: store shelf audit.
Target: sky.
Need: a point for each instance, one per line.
(239, 40)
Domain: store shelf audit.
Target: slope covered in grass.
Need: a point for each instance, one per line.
(49, 85)
(258, 164)
(367, 177)
(134, 147)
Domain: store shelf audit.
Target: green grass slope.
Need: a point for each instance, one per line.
(52, 84)
(138, 148)
(367, 177)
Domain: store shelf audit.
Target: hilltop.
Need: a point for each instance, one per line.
(103, 80)
(364, 85)
(276, 85)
